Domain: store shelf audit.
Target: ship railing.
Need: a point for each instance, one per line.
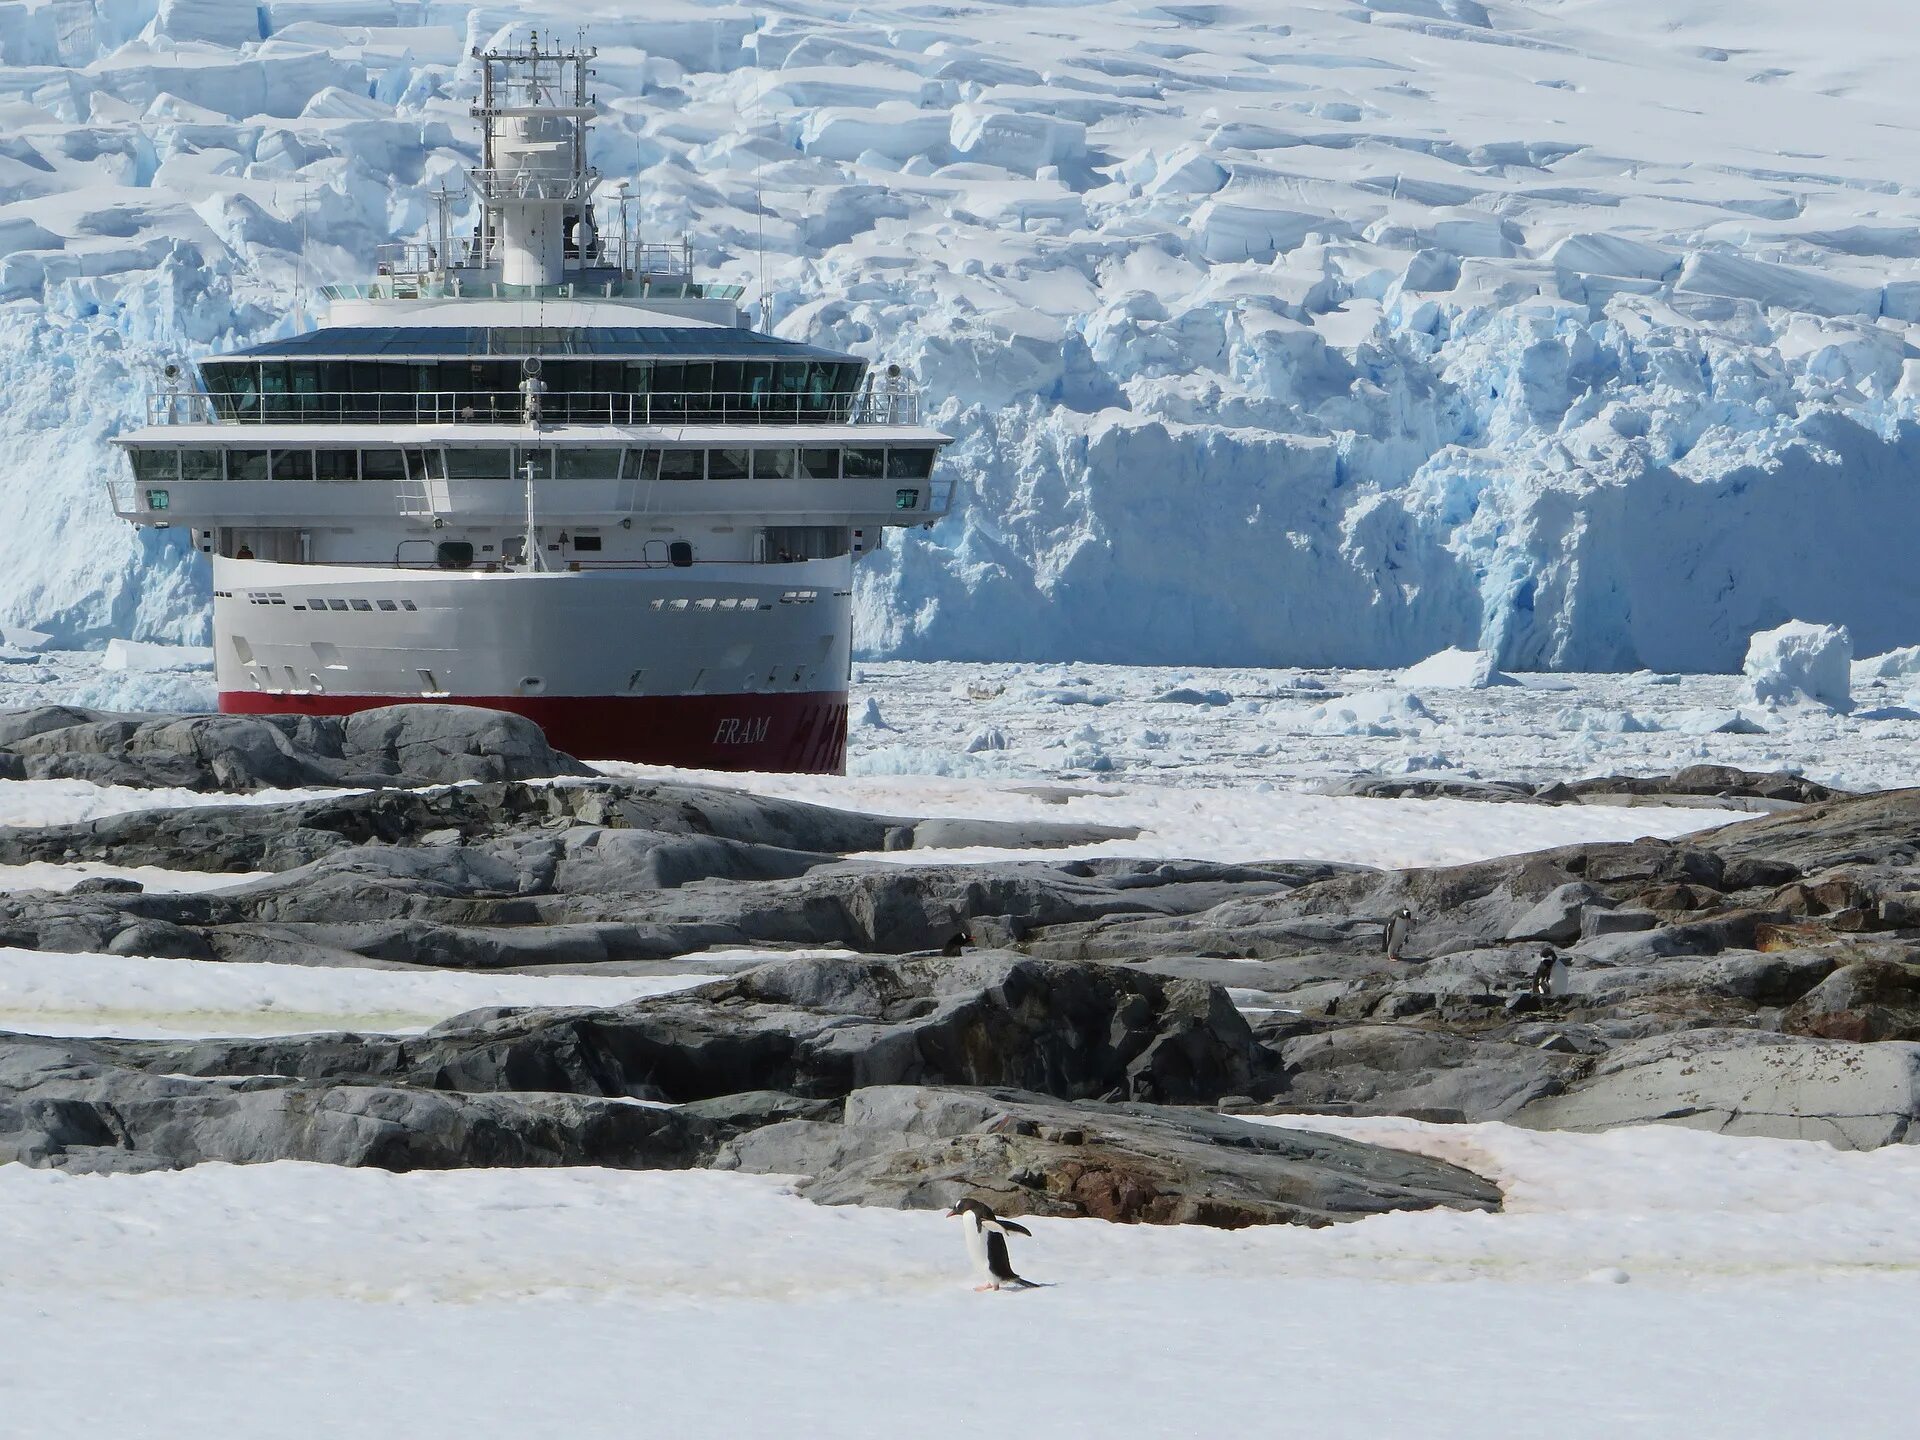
(498, 185)
(893, 403)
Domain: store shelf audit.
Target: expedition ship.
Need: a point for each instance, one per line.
(541, 468)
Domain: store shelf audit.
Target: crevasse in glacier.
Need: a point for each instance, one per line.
(1325, 333)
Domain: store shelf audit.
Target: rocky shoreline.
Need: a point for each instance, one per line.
(1059, 1035)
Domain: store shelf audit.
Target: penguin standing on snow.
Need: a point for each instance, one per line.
(987, 1246)
(1398, 929)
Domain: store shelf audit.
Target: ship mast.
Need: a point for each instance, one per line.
(533, 179)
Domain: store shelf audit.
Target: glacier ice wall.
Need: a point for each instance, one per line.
(1325, 333)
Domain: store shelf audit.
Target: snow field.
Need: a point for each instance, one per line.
(1769, 1286)
(140, 997)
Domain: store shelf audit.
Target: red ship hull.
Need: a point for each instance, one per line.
(803, 734)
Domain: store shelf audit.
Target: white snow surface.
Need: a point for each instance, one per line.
(1798, 663)
(143, 997)
(1768, 1289)
(45, 875)
(1339, 332)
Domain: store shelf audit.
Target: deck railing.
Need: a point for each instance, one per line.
(895, 404)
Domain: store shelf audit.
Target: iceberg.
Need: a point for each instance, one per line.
(1798, 663)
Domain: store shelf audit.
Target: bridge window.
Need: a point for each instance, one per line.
(383, 465)
(584, 464)
(200, 465)
(156, 464)
(727, 464)
(820, 464)
(641, 465)
(540, 458)
(914, 464)
(773, 465)
(246, 464)
(866, 464)
(335, 464)
(683, 465)
(476, 464)
(293, 465)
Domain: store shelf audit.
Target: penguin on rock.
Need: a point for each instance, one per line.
(987, 1246)
(1398, 929)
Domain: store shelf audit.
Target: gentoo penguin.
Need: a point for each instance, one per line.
(1550, 975)
(956, 943)
(1398, 928)
(987, 1245)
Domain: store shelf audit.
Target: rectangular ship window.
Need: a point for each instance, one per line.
(866, 464)
(586, 542)
(914, 464)
(773, 465)
(683, 465)
(820, 464)
(293, 465)
(388, 605)
(336, 604)
(727, 464)
(246, 464)
(360, 605)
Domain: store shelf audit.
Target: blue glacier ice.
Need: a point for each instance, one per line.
(1343, 336)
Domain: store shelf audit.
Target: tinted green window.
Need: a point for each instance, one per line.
(476, 464)
(727, 464)
(156, 464)
(588, 464)
(820, 464)
(246, 464)
(866, 464)
(336, 465)
(199, 464)
(773, 464)
(683, 464)
(293, 464)
(914, 464)
(382, 465)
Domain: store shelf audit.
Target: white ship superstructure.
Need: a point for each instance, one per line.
(545, 469)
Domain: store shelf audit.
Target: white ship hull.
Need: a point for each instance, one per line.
(716, 666)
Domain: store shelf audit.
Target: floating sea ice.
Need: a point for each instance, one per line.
(143, 656)
(19, 637)
(1800, 663)
(1456, 669)
(1605, 722)
(1894, 665)
(1370, 712)
(1716, 722)
(1186, 695)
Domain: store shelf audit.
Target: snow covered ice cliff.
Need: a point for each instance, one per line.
(1329, 331)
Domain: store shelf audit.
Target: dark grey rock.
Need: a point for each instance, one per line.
(401, 745)
(64, 1104)
(1856, 1097)
(921, 1147)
